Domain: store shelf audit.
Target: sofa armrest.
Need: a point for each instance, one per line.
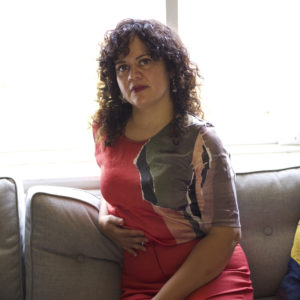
(12, 213)
(67, 257)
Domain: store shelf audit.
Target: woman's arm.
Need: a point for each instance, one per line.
(113, 227)
(205, 262)
(216, 196)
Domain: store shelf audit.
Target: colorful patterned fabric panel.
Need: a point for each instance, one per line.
(173, 192)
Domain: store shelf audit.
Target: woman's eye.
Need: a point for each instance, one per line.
(121, 68)
(145, 61)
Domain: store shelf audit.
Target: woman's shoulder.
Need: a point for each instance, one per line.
(206, 134)
(199, 126)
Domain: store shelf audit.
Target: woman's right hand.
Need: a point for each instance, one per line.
(130, 240)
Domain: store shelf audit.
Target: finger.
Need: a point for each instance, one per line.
(134, 232)
(132, 239)
(130, 251)
(136, 243)
(139, 240)
(140, 246)
(115, 220)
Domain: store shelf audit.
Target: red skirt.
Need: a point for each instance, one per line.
(143, 275)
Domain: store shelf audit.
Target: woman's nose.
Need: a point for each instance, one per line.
(134, 73)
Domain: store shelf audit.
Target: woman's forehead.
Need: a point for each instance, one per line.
(136, 48)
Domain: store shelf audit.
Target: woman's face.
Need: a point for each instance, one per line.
(143, 82)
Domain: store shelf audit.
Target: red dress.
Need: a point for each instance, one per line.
(174, 194)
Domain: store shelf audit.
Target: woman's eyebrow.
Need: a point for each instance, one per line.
(146, 54)
(138, 57)
(120, 62)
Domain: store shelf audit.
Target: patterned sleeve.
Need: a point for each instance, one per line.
(215, 181)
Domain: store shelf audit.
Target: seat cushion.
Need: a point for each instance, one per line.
(11, 239)
(67, 257)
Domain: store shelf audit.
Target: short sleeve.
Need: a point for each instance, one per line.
(215, 181)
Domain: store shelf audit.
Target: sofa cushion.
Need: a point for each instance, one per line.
(270, 209)
(290, 285)
(12, 211)
(67, 257)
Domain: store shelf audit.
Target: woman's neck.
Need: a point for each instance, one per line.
(145, 124)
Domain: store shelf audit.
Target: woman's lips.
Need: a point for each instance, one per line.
(138, 88)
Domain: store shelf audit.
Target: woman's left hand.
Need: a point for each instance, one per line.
(130, 240)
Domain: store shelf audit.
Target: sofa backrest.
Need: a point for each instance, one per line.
(269, 204)
(12, 212)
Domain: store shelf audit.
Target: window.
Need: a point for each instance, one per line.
(248, 54)
(48, 81)
(247, 51)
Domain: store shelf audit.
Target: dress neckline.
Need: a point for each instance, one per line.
(148, 139)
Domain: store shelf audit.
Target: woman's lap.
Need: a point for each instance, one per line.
(144, 276)
(233, 283)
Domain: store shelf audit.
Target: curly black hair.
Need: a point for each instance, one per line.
(162, 43)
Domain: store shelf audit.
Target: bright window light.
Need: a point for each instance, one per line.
(48, 76)
(248, 53)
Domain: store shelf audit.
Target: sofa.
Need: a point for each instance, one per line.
(52, 249)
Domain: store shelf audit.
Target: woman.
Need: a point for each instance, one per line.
(165, 176)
